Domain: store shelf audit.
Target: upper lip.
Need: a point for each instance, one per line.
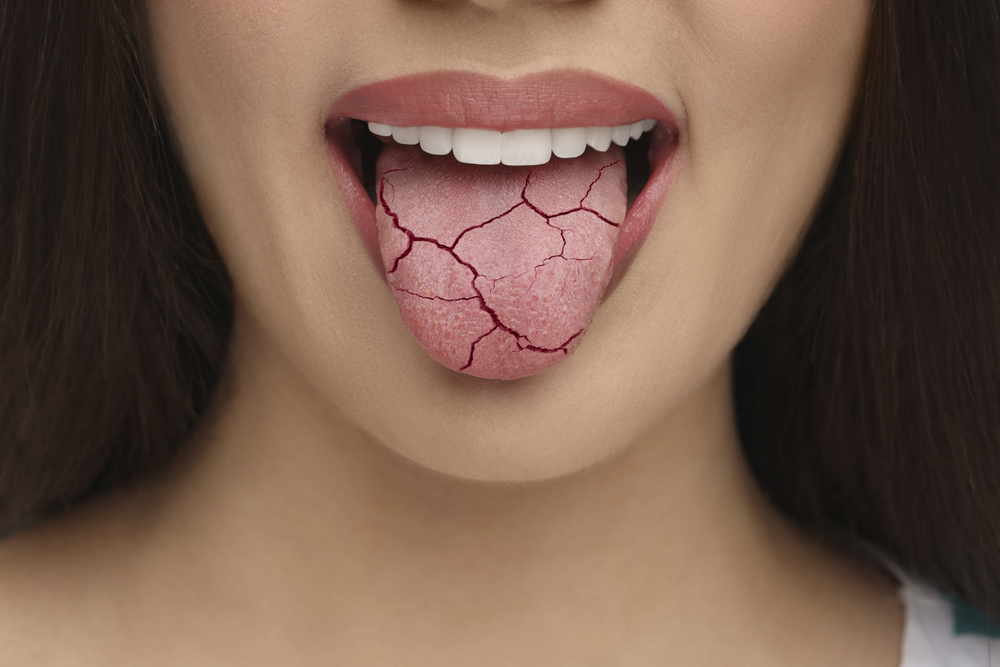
(552, 99)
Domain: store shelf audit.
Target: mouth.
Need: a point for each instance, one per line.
(515, 148)
(503, 284)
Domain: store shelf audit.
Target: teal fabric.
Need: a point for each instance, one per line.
(972, 621)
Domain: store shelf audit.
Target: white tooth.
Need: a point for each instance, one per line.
(520, 148)
(380, 129)
(436, 140)
(599, 138)
(476, 146)
(569, 142)
(619, 135)
(648, 124)
(408, 136)
(636, 130)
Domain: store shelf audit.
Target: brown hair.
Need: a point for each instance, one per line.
(867, 389)
(115, 308)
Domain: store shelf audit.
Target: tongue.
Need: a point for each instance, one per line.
(498, 270)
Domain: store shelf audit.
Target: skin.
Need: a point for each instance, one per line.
(350, 501)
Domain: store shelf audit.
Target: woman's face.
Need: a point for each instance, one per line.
(753, 99)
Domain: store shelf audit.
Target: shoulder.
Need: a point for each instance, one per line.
(60, 591)
(945, 632)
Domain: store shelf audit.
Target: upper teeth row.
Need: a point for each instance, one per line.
(515, 148)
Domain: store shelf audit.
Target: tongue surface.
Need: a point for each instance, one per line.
(498, 270)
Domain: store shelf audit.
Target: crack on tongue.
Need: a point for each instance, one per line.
(497, 322)
(434, 298)
(482, 285)
(581, 207)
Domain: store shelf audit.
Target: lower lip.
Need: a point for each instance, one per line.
(344, 155)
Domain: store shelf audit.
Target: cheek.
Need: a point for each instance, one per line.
(767, 88)
(770, 28)
(770, 101)
(242, 83)
(763, 55)
(227, 54)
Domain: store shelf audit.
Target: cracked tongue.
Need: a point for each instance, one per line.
(498, 270)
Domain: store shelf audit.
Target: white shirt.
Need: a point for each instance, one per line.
(940, 632)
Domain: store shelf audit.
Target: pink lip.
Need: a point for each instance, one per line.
(557, 98)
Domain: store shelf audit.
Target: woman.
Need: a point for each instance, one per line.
(287, 449)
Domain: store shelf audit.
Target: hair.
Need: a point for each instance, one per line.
(867, 389)
(115, 308)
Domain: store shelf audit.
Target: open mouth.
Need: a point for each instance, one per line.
(515, 148)
(499, 211)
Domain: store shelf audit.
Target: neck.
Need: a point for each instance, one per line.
(299, 513)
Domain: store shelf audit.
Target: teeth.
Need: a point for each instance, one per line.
(437, 140)
(620, 135)
(599, 138)
(569, 142)
(380, 129)
(514, 148)
(525, 147)
(408, 136)
(477, 146)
